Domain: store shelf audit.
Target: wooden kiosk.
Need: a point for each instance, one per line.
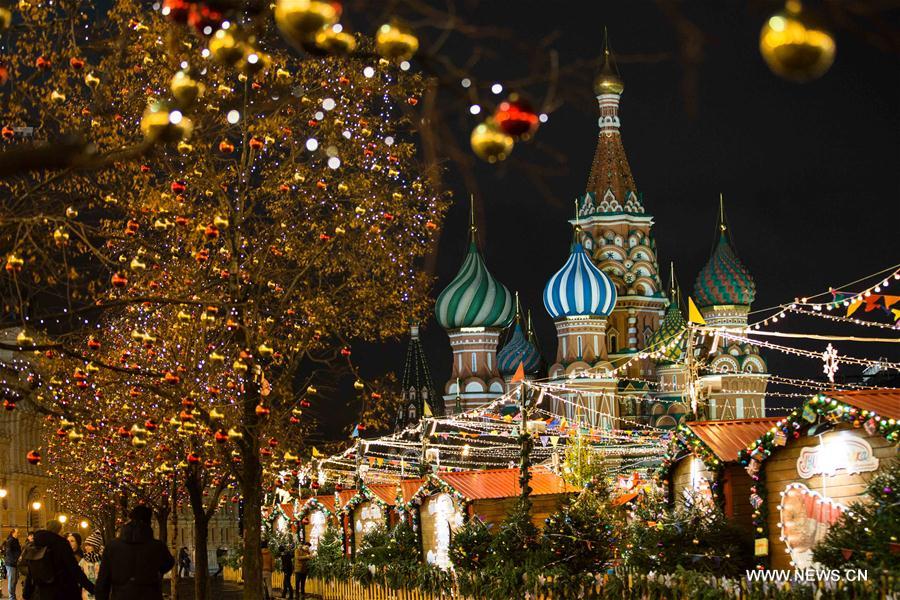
(813, 464)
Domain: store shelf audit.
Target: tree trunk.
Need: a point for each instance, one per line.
(251, 490)
(252, 493)
(173, 547)
(162, 523)
(194, 484)
(108, 523)
(201, 558)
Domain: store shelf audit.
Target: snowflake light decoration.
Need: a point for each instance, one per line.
(830, 358)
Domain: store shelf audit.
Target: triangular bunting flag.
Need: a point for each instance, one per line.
(853, 306)
(694, 315)
(554, 440)
(544, 440)
(889, 301)
(519, 375)
(427, 410)
(316, 453)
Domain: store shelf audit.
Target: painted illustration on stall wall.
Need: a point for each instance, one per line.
(446, 520)
(806, 516)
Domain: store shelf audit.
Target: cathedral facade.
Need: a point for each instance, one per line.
(623, 350)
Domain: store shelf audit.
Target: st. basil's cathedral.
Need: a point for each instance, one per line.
(621, 340)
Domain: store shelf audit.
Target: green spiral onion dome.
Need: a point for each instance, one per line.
(672, 329)
(474, 298)
(724, 280)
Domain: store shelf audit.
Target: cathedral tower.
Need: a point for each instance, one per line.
(670, 402)
(473, 309)
(580, 297)
(617, 232)
(417, 389)
(734, 381)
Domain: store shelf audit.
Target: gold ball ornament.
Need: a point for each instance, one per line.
(490, 143)
(253, 62)
(395, 41)
(159, 124)
(185, 88)
(5, 18)
(226, 47)
(795, 46)
(335, 40)
(299, 20)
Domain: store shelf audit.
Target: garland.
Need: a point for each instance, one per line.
(686, 443)
(800, 420)
(363, 494)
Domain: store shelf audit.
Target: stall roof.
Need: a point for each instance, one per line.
(504, 483)
(727, 438)
(408, 487)
(327, 500)
(885, 403)
(386, 492)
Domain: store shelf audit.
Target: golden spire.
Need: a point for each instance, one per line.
(608, 81)
(472, 228)
(722, 226)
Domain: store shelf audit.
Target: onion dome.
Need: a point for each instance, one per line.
(669, 338)
(579, 288)
(474, 298)
(518, 350)
(724, 281)
(608, 80)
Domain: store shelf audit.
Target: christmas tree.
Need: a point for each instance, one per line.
(867, 536)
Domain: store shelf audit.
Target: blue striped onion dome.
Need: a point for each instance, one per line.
(474, 298)
(518, 350)
(724, 280)
(579, 288)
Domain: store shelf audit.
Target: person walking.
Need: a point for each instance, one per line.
(302, 556)
(132, 565)
(53, 572)
(11, 551)
(184, 562)
(74, 540)
(221, 555)
(268, 565)
(90, 562)
(287, 568)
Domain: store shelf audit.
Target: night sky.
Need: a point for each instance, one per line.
(809, 172)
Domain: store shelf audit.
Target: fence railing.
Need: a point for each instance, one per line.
(633, 586)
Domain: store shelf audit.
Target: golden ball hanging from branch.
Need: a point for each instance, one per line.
(226, 46)
(795, 46)
(334, 40)
(185, 88)
(490, 143)
(159, 124)
(396, 41)
(300, 20)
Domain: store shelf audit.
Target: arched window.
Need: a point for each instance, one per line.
(580, 348)
(612, 341)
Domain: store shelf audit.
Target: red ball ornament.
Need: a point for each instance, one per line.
(204, 19)
(516, 117)
(176, 10)
(33, 457)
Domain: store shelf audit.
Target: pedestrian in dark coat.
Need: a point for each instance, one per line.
(63, 579)
(11, 551)
(287, 567)
(134, 563)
